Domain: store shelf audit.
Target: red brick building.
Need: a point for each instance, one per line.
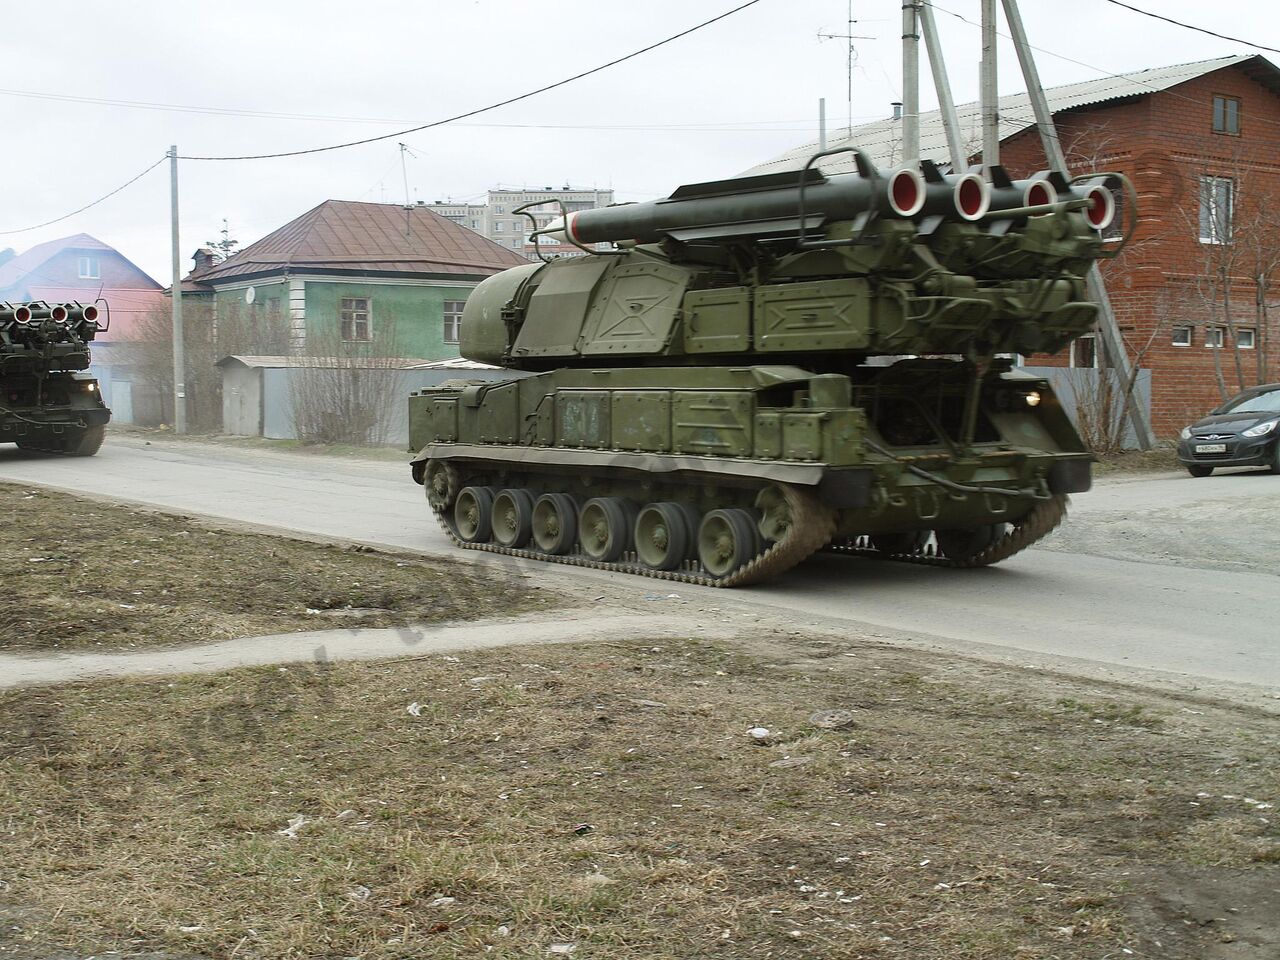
(1197, 292)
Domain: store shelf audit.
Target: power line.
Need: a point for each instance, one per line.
(493, 106)
(106, 196)
(1189, 26)
(724, 126)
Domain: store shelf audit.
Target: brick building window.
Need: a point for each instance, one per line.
(453, 320)
(1226, 115)
(88, 268)
(1216, 200)
(1246, 337)
(1213, 337)
(354, 317)
(1084, 351)
(1181, 337)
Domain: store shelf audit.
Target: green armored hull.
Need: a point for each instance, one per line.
(733, 390)
(47, 402)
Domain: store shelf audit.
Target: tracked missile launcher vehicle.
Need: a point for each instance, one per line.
(47, 401)
(772, 366)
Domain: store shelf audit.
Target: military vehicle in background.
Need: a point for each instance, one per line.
(768, 366)
(47, 401)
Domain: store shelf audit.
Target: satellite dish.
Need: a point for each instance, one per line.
(249, 294)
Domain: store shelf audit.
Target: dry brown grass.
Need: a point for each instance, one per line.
(80, 574)
(609, 797)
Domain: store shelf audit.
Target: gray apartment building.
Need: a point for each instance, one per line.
(494, 218)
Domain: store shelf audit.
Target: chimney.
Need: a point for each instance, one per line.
(897, 109)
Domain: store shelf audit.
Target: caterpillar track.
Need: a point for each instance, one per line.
(809, 526)
(1036, 525)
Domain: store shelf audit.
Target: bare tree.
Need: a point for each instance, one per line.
(207, 338)
(344, 391)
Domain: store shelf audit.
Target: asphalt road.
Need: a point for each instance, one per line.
(1087, 603)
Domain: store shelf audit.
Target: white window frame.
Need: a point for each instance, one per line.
(1214, 226)
(1214, 337)
(1252, 334)
(89, 268)
(348, 315)
(1184, 341)
(453, 321)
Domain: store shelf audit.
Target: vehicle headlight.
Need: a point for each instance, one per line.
(1032, 398)
(1186, 433)
(1261, 430)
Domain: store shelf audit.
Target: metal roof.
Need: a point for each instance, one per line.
(277, 363)
(453, 363)
(882, 139)
(346, 236)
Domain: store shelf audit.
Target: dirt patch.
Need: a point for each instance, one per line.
(1164, 456)
(88, 575)
(610, 799)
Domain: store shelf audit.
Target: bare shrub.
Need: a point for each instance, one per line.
(1099, 400)
(345, 391)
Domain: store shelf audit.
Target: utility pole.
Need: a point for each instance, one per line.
(950, 122)
(822, 125)
(910, 81)
(1117, 355)
(179, 358)
(987, 88)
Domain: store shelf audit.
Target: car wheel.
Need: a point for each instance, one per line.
(1198, 470)
(1274, 465)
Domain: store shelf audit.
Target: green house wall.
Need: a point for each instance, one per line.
(266, 296)
(406, 321)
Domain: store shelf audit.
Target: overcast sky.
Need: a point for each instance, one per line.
(702, 107)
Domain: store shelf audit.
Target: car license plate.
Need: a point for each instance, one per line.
(1211, 448)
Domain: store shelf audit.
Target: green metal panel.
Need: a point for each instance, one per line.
(444, 419)
(713, 422)
(642, 420)
(802, 436)
(553, 322)
(582, 418)
(768, 437)
(717, 321)
(826, 315)
(498, 415)
(636, 310)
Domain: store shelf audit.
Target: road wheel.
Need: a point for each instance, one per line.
(964, 544)
(664, 535)
(555, 523)
(473, 514)
(775, 513)
(604, 528)
(513, 518)
(87, 442)
(899, 543)
(1274, 465)
(441, 483)
(727, 539)
(1199, 470)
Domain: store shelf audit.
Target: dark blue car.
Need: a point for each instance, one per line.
(1243, 432)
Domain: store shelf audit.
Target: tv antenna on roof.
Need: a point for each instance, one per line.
(849, 36)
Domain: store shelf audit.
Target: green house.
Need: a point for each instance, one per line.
(373, 278)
